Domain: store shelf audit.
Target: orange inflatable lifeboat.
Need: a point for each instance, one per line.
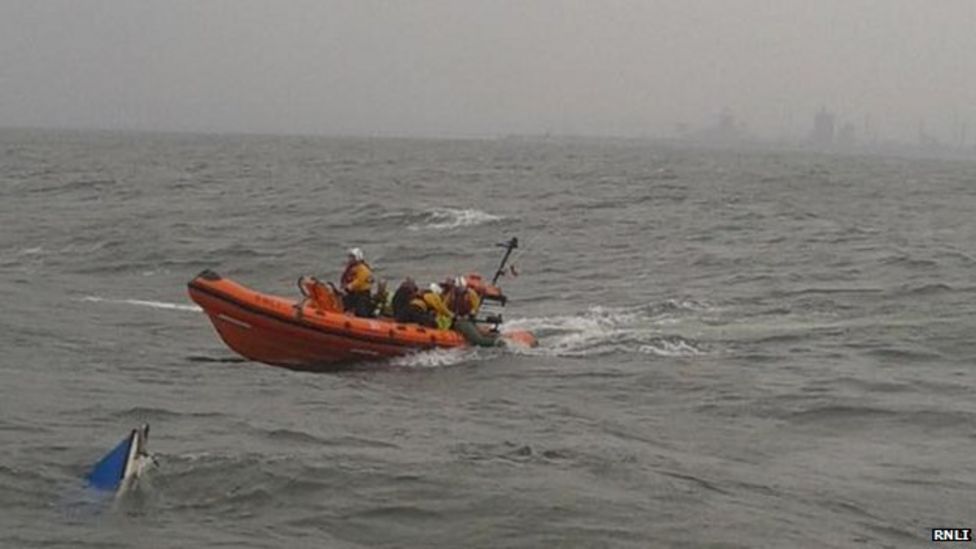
(314, 332)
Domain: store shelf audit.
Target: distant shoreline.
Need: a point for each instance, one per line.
(886, 149)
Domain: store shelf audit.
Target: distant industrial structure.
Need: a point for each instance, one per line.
(823, 129)
(726, 129)
(831, 132)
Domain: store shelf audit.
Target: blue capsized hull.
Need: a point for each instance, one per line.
(121, 463)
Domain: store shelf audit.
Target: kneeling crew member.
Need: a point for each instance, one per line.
(427, 309)
(464, 301)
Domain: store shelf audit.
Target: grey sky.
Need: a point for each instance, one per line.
(485, 67)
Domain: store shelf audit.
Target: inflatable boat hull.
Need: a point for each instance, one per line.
(279, 331)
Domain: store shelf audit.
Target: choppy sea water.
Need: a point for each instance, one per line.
(738, 349)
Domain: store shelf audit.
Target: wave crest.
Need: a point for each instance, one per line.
(453, 218)
(671, 346)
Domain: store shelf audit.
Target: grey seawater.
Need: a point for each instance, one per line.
(738, 349)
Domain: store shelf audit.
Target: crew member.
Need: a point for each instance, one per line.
(402, 297)
(357, 281)
(462, 300)
(435, 305)
(423, 307)
(416, 312)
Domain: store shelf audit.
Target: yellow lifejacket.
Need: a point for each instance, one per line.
(357, 277)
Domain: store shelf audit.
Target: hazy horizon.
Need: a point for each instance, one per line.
(488, 68)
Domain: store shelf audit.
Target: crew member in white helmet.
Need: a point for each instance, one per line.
(357, 283)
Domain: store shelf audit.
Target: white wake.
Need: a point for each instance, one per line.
(144, 303)
(604, 330)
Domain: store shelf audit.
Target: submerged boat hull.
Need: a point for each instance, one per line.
(279, 331)
(125, 463)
